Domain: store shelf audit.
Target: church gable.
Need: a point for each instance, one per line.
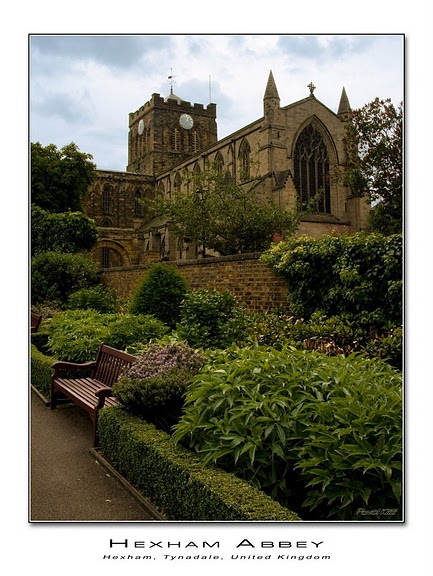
(288, 154)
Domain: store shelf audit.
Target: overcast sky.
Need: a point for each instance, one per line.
(82, 88)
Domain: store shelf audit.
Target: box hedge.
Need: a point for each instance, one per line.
(40, 371)
(174, 479)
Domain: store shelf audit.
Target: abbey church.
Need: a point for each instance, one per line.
(296, 147)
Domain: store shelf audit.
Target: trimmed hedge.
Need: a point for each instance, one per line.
(174, 479)
(40, 371)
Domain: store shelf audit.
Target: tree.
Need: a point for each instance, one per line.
(60, 178)
(375, 161)
(66, 232)
(224, 216)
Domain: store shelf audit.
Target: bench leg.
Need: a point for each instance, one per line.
(53, 400)
(95, 429)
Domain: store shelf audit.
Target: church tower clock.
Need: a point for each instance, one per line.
(167, 131)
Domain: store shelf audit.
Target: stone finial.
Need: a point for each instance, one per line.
(271, 88)
(312, 88)
(344, 109)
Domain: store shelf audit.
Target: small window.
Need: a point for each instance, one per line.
(105, 257)
(245, 161)
(138, 206)
(106, 202)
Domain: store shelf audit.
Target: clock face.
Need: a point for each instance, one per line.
(141, 127)
(186, 121)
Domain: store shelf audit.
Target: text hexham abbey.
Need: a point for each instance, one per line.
(295, 149)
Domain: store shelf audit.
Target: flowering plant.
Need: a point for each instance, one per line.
(157, 360)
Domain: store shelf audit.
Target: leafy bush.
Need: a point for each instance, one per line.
(126, 330)
(75, 335)
(343, 334)
(98, 298)
(154, 386)
(388, 347)
(66, 232)
(160, 294)
(302, 426)
(353, 273)
(55, 276)
(211, 319)
(158, 399)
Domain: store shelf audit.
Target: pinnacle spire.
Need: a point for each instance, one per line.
(271, 88)
(344, 106)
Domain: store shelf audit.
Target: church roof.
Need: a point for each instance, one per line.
(173, 96)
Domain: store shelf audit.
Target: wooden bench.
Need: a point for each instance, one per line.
(94, 392)
(36, 322)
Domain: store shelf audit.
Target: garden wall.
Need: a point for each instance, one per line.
(253, 284)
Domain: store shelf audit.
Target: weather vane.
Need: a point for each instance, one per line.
(171, 80)
(312, 88)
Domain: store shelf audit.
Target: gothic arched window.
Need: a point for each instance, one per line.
(196, 169)
(311, 170)
(195, 142)
(177, 183)
(219, 163)
(138, 206)
(106, 205)
(245, 160)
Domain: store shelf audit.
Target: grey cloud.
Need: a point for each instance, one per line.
(116, 51)
(61, 105)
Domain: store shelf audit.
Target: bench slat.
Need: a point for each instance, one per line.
(108, 366)
(83, 388)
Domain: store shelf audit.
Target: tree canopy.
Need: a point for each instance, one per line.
(375, 161)
(224, 216)
(60, 177)
(66, 232)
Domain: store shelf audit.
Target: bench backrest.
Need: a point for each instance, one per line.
(109, 363)
(36, 320)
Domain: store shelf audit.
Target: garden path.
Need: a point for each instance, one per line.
(67, 483)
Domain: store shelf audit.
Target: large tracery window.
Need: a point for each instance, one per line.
(311, 170)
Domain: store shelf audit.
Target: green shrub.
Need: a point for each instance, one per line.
(154, 386)
(160, 294)
(302, 426)
(158, 399)
(97, 298)
(75, 335)
(211, 319)
(65, 232)
(343, 334)
(172, 478)
(41, 371)
(126, 330)
(388, 347)
(350, 273)
(55, 276)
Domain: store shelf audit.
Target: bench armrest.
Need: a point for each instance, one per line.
(57, 366)
(104, 392)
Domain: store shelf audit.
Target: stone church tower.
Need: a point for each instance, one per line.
(297, 149)
(166, 132)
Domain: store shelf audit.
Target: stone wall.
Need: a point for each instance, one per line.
(253, 284)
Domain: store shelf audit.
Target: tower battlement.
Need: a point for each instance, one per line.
(157, 101)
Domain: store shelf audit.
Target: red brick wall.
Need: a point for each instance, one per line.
(252, 283)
